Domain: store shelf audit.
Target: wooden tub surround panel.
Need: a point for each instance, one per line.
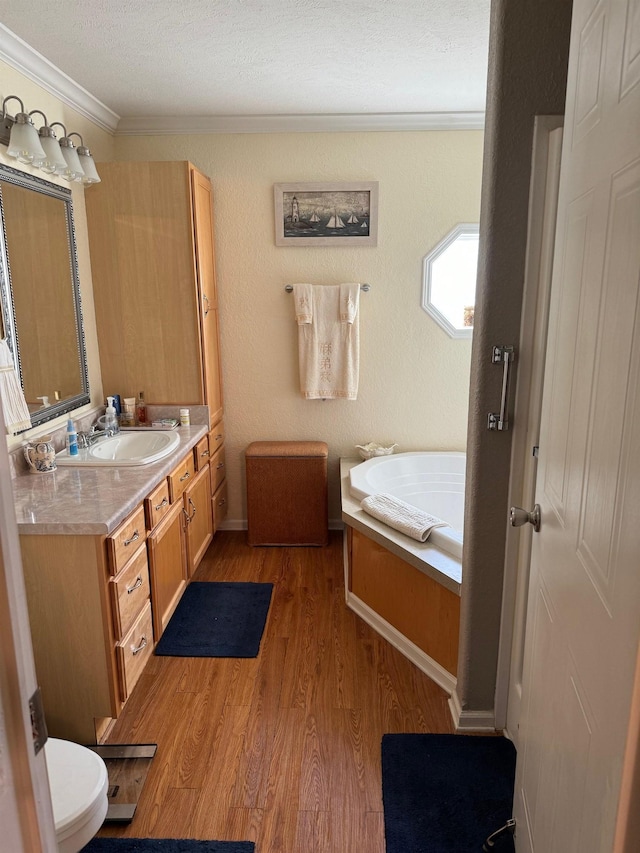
(420, 608)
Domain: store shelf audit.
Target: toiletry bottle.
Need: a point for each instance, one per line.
(129, 412)
(141, 411)
(72, 438)
(110, 417)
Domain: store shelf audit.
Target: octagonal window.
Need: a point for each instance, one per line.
(449, 281)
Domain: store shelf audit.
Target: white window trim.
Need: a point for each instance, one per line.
(427, 263)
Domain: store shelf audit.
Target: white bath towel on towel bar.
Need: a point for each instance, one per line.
(328, 340)
(401, 516)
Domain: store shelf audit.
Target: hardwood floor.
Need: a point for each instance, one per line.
(283, 749)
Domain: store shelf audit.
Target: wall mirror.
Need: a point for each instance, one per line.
(40, 294)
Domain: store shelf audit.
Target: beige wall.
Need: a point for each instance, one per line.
(414, 380)
(101, 144)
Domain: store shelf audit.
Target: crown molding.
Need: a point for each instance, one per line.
(321, 123)
(21, 56)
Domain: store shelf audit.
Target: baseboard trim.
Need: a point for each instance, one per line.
(470, 721)
(241, 524)
(421, 659)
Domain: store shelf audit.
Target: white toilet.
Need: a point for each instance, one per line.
(79, 782)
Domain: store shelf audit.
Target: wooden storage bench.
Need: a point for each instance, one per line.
(287, 493)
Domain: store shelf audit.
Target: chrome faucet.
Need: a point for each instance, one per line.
(86, 439)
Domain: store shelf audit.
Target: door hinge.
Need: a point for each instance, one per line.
(38, 723)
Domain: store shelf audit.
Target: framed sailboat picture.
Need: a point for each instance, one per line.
(326, 214)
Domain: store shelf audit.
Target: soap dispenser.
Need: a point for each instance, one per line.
(110, 417)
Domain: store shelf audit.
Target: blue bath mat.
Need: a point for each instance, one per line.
(446, 793)
(166, 845)
(220, 620)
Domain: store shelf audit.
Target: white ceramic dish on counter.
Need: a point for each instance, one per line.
(368, 451)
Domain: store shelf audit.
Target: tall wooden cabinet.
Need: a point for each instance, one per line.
(153, 267)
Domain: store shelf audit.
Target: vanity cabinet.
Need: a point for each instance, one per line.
(99, 603)
(153, 268)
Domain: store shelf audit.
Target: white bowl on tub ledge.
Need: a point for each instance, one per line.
(368, 451)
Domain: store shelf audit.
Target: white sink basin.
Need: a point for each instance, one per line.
(125, 448)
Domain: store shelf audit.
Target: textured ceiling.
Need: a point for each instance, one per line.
(264, 57)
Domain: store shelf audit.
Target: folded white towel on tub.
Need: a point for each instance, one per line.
(401, 516)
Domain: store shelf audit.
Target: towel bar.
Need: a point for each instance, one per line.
(365, 287)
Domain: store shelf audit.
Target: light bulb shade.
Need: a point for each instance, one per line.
(24, 143)
(73, 172)
(91, 175)
(54, 162)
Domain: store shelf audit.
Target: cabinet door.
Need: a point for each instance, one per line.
(143, 268)
(167, 567)
(207, 291)
(199, 524)
(219, 506)
(218, 469)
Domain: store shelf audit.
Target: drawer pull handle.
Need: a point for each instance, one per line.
(134, 538)
(136, 649)
(136, 585)
(219, 466)
(222, 502)
(218, 437)
(185, 476)
(165, 501)
(205, 298)
(205, 453)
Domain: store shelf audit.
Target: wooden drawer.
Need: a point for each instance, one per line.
(202, 453)
(216, 437)
(157, 504)
(129, 592)
(134, 651)
(218, 469)
(125, 540)
(181, 476)
(219, 505)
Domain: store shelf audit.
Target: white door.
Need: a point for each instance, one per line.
(583, 620)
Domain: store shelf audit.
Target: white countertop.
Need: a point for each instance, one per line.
(91, 501)
(442, 567)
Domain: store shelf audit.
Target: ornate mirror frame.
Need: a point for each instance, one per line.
(8, 319)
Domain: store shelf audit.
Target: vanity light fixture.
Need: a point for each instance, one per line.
(74, 171)
(54, 163)
(42, 149)
(87, 163)
(24, 143)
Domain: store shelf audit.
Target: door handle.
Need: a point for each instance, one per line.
(519, 516)
(504, 356)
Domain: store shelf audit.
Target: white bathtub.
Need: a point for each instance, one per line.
(431, 481)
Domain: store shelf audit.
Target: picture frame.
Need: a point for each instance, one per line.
(326, 214)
